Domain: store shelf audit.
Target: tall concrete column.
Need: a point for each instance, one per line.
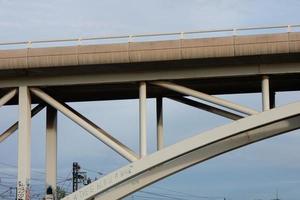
(24, 144)
(143, 119)
(159, 122)
(51, 148)
(272, 99)
(265, 87)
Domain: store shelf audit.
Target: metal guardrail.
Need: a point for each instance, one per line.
(235, 31)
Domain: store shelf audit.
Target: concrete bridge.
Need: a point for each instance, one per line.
(166, 67)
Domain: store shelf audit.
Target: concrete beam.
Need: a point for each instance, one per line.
(180, 73)
(137, 52)
(205, 97)
(207, 108)
(8, 96)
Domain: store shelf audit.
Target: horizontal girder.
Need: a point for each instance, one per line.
(83, 73)
(129, 90)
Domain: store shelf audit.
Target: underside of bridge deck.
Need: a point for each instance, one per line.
(112, 82)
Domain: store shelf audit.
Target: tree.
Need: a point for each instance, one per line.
(60, 193)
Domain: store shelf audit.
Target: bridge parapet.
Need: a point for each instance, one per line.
(162, 50)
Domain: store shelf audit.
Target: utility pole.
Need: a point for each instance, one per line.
(277, 195)
(277, 198)
(76, 169)
(79, 177)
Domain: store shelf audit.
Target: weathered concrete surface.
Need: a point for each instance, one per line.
(263, 44)
(294, 42)
(13, 59)
(136, 52)
(154, 51)
(223, 65)
(208, 48)
(102, 54)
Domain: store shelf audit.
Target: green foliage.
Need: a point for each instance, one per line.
(60, 193)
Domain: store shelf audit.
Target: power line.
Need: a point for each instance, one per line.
(67, 177)
(147, 197)
(38, 192)
(162, 195)
(33, 170)
(94, 171)
(1, 194)
(69, 186)
(189, 194)
(3, 185)
(12, 176)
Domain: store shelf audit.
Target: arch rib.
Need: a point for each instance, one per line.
(194, 157)
(172, 159)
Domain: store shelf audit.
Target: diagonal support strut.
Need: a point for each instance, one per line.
(86, 124)
(8, 96)
(207, 108)
(205, 97)
(15, 126)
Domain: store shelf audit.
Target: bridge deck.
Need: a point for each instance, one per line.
(111, 71)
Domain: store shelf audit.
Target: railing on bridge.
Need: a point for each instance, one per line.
(153, 36)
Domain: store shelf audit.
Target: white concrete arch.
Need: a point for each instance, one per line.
(191, 151)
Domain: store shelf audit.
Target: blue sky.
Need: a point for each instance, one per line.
(254, 172)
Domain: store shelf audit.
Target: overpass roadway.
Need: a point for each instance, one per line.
(111, 71)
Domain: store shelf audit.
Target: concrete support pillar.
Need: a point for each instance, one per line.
(143, 119)
(265, 93)
(24, 143)
(272, 99)
(159, 122)
(51, 148)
